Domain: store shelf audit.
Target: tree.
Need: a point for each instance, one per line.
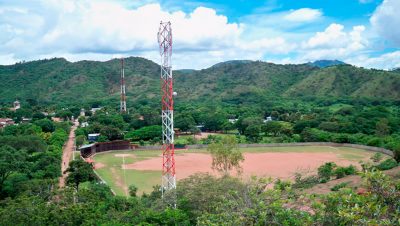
(145, 133)
(78, 172)
(273, 127)
(184, 122)
(11, 160)
(80, 140)
(46, 125)
(112, 133)
(382, 127)
(133, 190)
(396, 153)
(226, 155)
(252, 132)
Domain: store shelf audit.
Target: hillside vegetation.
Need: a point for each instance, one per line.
(233, 82)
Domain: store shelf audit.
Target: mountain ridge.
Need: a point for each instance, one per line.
(60, 81)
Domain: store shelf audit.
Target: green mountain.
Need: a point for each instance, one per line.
(59, 81)
(348, 81)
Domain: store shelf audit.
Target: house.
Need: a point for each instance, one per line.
(93, 137)
(17, 105)
(233, 120)
(93, 110)
(84, 124)
(6, 122)
(268, 119)
(82, 114)
(25, 120)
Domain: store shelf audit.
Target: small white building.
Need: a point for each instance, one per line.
(82, 114)
(233, 120)
(268, 119)
(93, 110)
(17, 105)
(92, 137)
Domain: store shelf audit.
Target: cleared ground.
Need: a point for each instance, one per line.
(143, 168)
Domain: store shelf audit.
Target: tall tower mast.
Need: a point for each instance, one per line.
(167, 115)
(123, 90)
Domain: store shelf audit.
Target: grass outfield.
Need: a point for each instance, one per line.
(110, 164)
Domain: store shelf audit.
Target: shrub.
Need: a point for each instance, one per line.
(339, 186)
(282, 185)
(306, 182)
(377, 157)
(387, 164)
(132, 190)
(345, 171)
(396, 153)
(326, 171)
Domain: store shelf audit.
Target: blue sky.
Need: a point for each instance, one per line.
(361, 32)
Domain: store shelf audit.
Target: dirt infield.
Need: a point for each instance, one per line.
(274, 164)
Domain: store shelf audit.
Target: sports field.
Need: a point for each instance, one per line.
(143, 168)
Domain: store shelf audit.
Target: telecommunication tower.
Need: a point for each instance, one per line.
(167, 115)
(123, 90)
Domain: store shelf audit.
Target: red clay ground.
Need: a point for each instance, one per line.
(68, 151)
(275, 165)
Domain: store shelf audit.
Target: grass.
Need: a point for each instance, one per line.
(113, 173)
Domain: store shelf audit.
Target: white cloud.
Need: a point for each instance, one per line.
(334, 43)
(103, 29)
(100, 29)
(303, 15)
(386, 21)
(384, 61)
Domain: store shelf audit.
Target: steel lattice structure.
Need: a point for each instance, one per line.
(168, 164)
(123, 90)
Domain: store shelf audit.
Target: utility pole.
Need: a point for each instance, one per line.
(167, 115)
(123, 90)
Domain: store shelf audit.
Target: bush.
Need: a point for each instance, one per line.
(345, 171)
(132, 190)
(326, 171)
(387, 164)
(396, 153)
(339, 186)
(306, 182)
(377, 157)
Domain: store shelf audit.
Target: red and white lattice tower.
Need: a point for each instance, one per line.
(123, 90)
(168, 164)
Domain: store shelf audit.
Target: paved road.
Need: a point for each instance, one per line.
(67, 154)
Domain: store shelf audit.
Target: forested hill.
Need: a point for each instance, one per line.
(57, 80)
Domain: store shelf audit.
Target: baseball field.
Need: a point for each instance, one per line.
(142, 168)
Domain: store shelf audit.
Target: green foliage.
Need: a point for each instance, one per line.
(344, 171)
(226, 155)
(396, 153)
(30, 143)
(78, 172)
(377, 157)
(387, 164)
(11, 160)
(80, 140)
(145, 133)
(132, 190)
(326, 171)
(305, 182)
(339, 186)
(46, 125)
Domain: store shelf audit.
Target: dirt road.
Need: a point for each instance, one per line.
(67, 153)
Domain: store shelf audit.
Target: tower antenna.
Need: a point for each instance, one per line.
(123, 90)
(167, 115)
